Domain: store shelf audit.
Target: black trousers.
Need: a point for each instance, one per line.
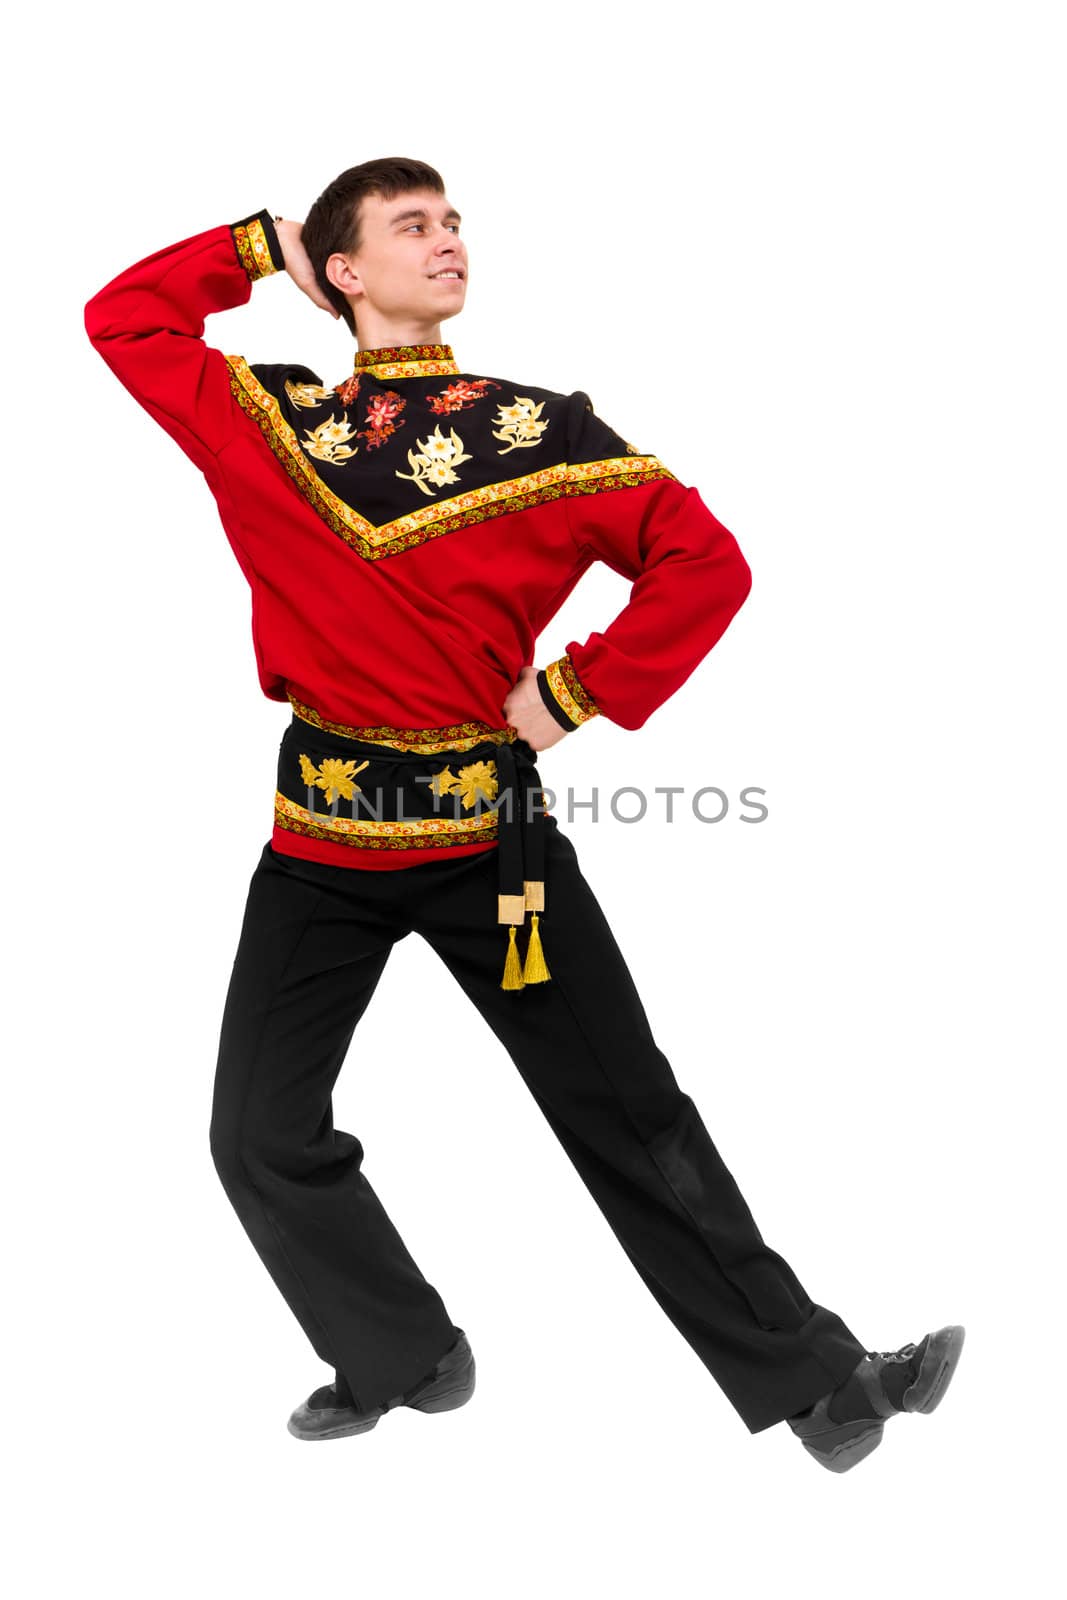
(314, 942)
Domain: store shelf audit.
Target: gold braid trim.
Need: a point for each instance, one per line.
(253, 249)
(410, 369)
(428, 741)
(407, 361)
(618, 472)
(569, 692)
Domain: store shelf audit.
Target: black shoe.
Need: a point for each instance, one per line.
(846, 1425)
(450, 1384)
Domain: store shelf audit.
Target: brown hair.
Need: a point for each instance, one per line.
(333, 223)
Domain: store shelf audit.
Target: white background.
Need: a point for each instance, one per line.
(811, 257)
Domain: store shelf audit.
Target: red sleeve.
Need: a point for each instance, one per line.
(148, 324)
(689, 577)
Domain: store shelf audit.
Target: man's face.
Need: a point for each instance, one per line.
(408, 243)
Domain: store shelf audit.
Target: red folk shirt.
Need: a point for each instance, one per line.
(409, 532)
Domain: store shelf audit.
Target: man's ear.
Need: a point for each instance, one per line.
(340, 273)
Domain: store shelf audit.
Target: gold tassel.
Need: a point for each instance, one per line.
(513, 978)
(535, 970)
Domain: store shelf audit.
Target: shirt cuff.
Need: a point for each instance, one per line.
(255, 239)
(564, 695)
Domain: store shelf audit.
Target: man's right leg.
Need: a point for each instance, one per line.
(314, 942)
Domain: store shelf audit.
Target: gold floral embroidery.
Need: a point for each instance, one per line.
(334, 777)
(307, 394)
(435, 460)
(520, 426)
(327, 441)
(480, 776)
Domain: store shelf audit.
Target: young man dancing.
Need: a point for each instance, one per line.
(407, 534)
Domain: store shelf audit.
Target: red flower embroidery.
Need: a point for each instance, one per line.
(457, 396)
(382, 413)
(349, 389)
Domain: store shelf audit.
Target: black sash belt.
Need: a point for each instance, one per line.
(371, 796)
(522, 860)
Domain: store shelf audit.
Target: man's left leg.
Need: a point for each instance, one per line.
(583, 1045)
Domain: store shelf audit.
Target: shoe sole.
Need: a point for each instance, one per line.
(935, 1370)
(340, 1431)
(850, 1452)
(449, 1399)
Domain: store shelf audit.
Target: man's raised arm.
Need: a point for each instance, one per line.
(148, 323)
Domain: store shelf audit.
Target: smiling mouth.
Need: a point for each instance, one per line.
(450, 275)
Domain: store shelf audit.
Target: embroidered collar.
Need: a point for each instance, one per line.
(406, 361)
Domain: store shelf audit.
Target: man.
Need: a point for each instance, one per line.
(407, 533)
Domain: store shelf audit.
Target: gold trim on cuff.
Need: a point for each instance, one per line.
(253, 249)
(568, 691)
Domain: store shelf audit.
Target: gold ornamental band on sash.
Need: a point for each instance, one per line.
(427, 741)
(369, 834)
